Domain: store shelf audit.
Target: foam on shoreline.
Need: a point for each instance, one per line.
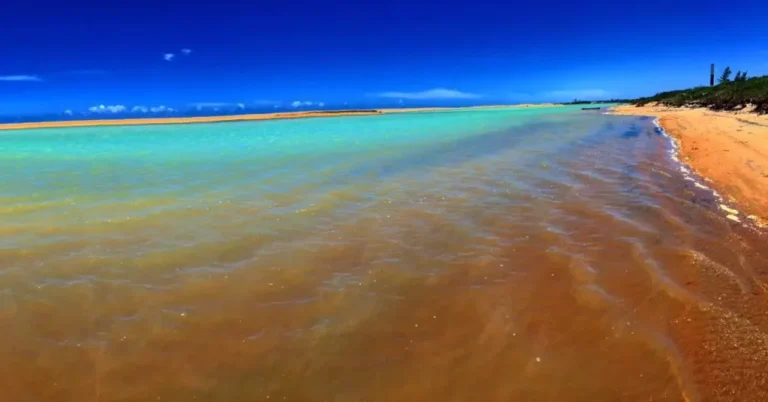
(688, 175)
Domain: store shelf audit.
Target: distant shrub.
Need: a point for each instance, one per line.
(728, 95)
(725, 76)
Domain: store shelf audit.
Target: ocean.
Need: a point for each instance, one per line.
(537, 254)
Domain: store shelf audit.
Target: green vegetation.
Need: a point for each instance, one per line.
(725, 76)
(728, 95)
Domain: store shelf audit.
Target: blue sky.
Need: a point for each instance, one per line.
(301, 54)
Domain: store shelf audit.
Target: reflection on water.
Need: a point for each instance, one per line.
(475, 256)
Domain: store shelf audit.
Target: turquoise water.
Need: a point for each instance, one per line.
(102, 169)
(482, 254)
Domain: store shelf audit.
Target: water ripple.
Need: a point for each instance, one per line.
(482, 255)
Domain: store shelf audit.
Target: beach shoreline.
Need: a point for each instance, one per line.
(249, 117)
(729, 150)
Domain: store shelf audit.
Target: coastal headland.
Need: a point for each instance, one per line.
(244, 117)
(728, 149)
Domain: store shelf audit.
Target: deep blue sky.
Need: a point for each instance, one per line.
(79, 54)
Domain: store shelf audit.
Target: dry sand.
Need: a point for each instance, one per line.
(730, 149)
(243, 117)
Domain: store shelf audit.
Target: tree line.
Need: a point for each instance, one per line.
(729, 94)
(726, 76)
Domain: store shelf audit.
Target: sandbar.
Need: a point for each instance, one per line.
(729, 149)
(245, 117)
(184, 120)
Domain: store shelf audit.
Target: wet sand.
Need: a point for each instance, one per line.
(245, 117)
(728, 149)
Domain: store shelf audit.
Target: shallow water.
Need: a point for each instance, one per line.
(482, 255)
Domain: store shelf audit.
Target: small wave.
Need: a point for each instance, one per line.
(674, 154)
(661, 280)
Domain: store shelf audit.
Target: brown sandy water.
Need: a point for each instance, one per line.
(551, 257)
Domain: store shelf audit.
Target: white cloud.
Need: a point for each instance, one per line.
(436, 93)
(68, 112)
(169, 56)
(582, 94)
(241, 106)
(107, 109)
(302, 103)
(321, 104)
(152, 109)
(22, 77)
(210, 105)
(186, 51)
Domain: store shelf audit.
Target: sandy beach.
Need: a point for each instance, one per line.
(729, 149)
(245, 117)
